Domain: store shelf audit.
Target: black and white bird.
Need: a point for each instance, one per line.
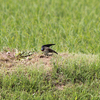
(46, 50)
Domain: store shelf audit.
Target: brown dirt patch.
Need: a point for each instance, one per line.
(10, 60)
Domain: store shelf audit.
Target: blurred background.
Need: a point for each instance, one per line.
(73, 25)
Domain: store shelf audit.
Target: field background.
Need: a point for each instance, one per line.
(74, 26)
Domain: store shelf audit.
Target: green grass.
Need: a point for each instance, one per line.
(80, 80)
(74, 26)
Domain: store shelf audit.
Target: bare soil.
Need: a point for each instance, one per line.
(9, 60)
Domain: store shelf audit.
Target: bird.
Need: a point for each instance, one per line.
(46, 50)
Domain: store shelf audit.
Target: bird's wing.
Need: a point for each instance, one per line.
(50, 50)
(48, 45)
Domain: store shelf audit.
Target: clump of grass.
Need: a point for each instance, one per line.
(28, 82)
(77, 68)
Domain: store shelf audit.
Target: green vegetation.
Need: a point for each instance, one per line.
(70, 78)
(74, 26)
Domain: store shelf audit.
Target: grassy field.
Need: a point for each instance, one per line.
(71, 25)
(74, 26)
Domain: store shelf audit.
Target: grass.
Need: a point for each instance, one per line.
(73, 76)
(74, 27)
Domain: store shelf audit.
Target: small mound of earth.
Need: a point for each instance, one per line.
(10, 60)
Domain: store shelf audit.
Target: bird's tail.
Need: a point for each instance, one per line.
(50, 50)
(55, 52)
